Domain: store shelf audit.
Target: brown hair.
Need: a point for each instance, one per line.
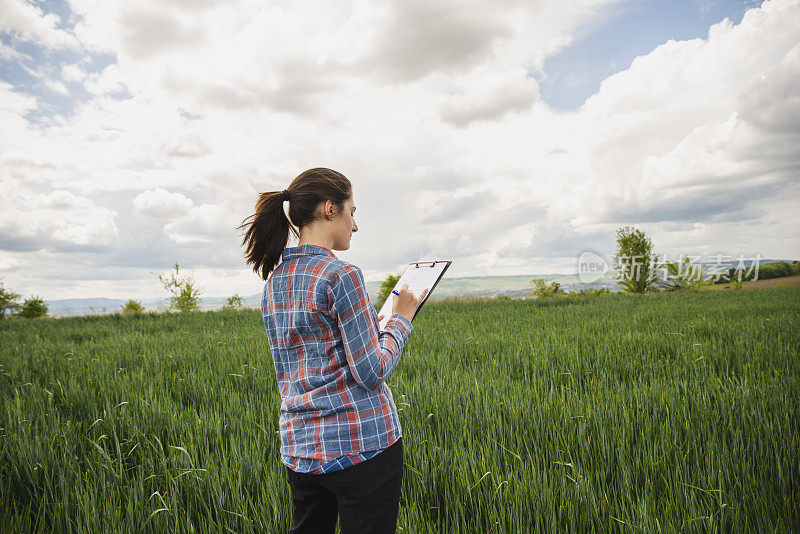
(267, 230)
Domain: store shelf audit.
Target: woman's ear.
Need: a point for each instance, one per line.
(328, 210)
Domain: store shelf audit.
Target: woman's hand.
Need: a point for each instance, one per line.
(406, 303)
(403, 308)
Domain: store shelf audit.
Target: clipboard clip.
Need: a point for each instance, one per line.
(432, 264)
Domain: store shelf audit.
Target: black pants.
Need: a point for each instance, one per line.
(366, 496)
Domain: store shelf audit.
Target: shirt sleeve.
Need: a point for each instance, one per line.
(371, 355)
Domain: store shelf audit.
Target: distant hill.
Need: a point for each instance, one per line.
(479, 286)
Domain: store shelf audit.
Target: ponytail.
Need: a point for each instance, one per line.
(267, 230)
(266, 233)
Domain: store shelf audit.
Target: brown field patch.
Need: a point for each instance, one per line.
(761, 284)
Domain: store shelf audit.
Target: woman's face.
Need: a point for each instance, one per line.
(344, 225)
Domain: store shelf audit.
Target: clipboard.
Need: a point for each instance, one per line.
(419, 275)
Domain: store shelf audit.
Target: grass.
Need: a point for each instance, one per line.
(671, 411)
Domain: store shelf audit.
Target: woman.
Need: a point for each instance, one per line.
(341, 440)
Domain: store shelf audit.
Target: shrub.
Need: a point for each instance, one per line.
(9, 302)
(682, 274)
(633, 260)
(386, 289)
(777, 269)
(184, 290)
(234, 302)
(542, 289)
(132, 308)
(32, 308)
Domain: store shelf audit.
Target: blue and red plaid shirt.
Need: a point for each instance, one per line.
(331, 361)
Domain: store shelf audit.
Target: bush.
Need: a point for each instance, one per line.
(682, 274)
(32, 308)
(132, 308)
(234, 302)
(184, 290)
(542, 289)
(9, 302)
(777, 269)
(633, 261)
(386, 289)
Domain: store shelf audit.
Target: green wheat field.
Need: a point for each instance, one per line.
(655, 412)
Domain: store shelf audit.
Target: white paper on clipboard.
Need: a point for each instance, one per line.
(419, 275)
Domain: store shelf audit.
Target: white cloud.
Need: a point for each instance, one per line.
(204, 223)
(8, 52)
(490, 96)
(149, 31)
(56, 86)
(73, 73)
(13, 107)
(294, 57)
(58, 221)
(160, 203)
(29, 23)
(680, 128)
(62, 200)
(429, 108)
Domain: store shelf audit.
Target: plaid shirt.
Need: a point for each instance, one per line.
(331, 361)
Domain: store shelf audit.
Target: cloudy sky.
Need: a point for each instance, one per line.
(507, 136)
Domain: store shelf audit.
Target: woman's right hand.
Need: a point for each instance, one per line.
(406, 303)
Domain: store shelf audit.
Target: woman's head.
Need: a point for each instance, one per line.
(318, 197)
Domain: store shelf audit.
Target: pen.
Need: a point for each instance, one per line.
(395, 292)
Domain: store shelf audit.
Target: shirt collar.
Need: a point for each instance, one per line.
(306, 250)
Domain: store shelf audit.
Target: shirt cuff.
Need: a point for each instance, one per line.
(402, 323)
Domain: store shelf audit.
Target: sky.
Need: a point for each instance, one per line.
(506, 136)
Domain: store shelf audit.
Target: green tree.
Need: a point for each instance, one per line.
(682, 275)
(386, 289)
(635, 260)
(544, 290)
(9, 301)
(132, 308)
(32, 308)
(184, 290)
(234, 302)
